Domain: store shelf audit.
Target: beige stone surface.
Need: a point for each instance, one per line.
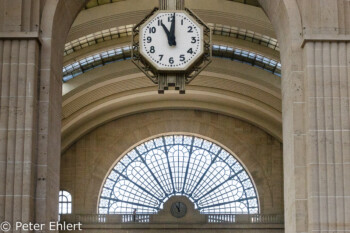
(19, 68)
(119, 89)
(314, 41)
(187, 229)
(87, 162)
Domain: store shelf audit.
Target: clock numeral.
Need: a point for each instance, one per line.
(182, 57)
(159, 22)
(152, 30)
(161, 57)
(171, 60)
(182, 22)
(190, 51)
(194, 40)
(169, 19)
(149, 39)
(190, 29)
(152, 50)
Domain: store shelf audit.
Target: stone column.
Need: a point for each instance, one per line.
(314, 37)
(29, 117)
(327, 71)
(316, 124)
(19, 59)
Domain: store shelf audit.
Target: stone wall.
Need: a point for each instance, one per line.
(314, 138)
(86, 163)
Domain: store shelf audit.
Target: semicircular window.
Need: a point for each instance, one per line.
(149, 174)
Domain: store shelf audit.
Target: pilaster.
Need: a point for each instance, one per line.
(19, 64)
(316, 136)
(29, 117)
(327, 74)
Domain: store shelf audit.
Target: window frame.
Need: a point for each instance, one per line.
(65, 200)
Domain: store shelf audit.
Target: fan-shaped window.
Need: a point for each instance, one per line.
(64, 202)
(204, 172)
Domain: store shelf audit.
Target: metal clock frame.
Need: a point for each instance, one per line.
(152, 73)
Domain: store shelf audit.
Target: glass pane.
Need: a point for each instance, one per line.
(178, 165)
(64, 202)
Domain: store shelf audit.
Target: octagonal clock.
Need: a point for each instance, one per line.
(171, 47)
(171, 40)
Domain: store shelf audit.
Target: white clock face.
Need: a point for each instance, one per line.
(171, 40)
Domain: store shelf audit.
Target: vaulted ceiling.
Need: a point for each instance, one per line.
(100, 83)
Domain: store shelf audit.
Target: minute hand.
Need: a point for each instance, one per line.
(172, 31)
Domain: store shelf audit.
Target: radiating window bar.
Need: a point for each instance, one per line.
(148, 175)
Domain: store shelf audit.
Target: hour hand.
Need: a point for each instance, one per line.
(167, 33)
(178, 207)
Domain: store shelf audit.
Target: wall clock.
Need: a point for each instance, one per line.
(171, 41)
(178, 209)
(171, 46)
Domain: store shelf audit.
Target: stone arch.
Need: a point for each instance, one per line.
(314, 37)
(285, 18)
(226, 131)
(55, 29)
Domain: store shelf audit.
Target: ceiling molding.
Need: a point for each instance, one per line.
(148, 100)
(118, 90)
(133, 11)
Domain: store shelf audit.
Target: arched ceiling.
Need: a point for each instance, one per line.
(95, 3)
(132, 11)
(116, 53)
(119, 89)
